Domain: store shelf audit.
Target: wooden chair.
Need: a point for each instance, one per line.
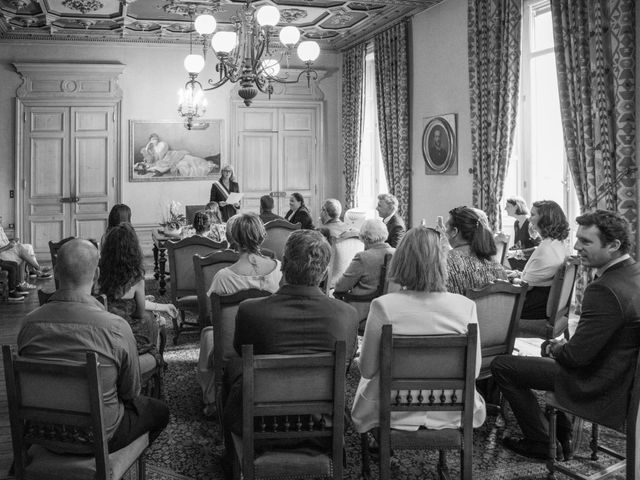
(383, 285)
(278, 232)
(343, 249)
(289, 397)
(223, 313)
(59, 406)
(206, 268)
(184, 293)
(558, 305)
(407, 384)
(190, 212)
(631, 430)
(502, 244)
(498, 306)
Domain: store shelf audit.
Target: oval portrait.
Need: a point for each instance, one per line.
(438, 145)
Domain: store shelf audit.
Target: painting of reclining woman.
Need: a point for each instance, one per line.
(168, 151)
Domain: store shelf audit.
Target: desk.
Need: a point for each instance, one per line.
(160, 258)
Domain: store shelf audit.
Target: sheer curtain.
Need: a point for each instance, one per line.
(494, 74)
(352, 117)
(391, 51)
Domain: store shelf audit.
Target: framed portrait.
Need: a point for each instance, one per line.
(440, 145)
(164, 150)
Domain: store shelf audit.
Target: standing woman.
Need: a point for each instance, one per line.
(548, 219)
(220, 191)
(517, 208)
(298, 212)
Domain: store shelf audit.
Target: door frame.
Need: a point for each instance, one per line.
(316, 105)
(53, 84)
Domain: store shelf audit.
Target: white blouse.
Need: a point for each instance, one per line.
(227, 282)
(544, 263)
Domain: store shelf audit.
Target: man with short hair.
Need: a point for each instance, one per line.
(592, 373)
(73, 322)
(298, 319)
(388, 210)
(332, 226)
(266, 209)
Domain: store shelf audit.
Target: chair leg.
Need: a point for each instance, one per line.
(142, 467)
(551, 458)
(594, 441)
(384, 446)
(364, 456)
(443, 468)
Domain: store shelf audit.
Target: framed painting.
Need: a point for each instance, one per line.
(164, 150)
(440, 145)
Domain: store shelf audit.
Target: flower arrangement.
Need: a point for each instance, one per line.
(174, 219)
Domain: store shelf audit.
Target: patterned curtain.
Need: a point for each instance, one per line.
(352, 118)
(595, 59)
(391, 50)
(494, 72)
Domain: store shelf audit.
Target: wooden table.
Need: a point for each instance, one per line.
(160, 258)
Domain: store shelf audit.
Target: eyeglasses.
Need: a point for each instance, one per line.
(438, 233)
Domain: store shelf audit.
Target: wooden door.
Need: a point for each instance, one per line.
(277, 155)
(69, 170)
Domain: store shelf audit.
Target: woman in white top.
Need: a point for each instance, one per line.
(550, 222)
(245, 233)
(422, 307)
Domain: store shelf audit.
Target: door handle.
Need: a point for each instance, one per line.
(75, 199)
(66, 200)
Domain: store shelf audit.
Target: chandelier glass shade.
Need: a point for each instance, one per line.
(191, 101)
(245, 55)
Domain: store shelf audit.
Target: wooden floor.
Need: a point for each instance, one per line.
(10, 316)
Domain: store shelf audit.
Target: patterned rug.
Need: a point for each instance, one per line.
(190, 447)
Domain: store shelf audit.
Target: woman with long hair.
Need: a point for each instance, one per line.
(550, 222)
(217, 228)
(119, 213)
(470, 260)
(298, 212)
(221, 189)
(422, 307)
(122, 281)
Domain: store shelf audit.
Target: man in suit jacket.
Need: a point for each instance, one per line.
(332, 226)
(387, 209)
(266, 209)
(297, 319)
(592, 373)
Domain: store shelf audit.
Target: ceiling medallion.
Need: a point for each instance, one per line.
(83, 6)
(291, 15)
(190, 8)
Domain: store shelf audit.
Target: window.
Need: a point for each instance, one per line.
(538, 168)
(371, 179)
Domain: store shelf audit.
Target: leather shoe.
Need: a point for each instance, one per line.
(565, 439)
(526, 447)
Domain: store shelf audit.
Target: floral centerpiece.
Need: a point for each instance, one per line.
(173, 219)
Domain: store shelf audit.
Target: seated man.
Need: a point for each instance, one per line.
(332, 226)
(73, 322)
(297, 319)
(592, 373)
(16, 291)
(266, 209)
(14, 251)
(388, 210)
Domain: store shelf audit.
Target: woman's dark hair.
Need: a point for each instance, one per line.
(120, 261)
(472, 229)
(552, 222)
(201, 222)
(119, 213)
(299, 198)
(520, 204)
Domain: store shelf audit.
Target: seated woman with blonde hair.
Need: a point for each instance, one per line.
(422, 307)
(217, 228)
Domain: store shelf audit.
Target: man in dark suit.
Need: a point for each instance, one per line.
(592, 373)
(298, 319)
(266, 209)
(388, 210)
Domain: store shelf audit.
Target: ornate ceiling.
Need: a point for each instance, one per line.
(334, 24)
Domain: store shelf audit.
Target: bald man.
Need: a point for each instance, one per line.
(73, 322)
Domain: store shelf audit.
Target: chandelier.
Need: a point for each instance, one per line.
(245, 55)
